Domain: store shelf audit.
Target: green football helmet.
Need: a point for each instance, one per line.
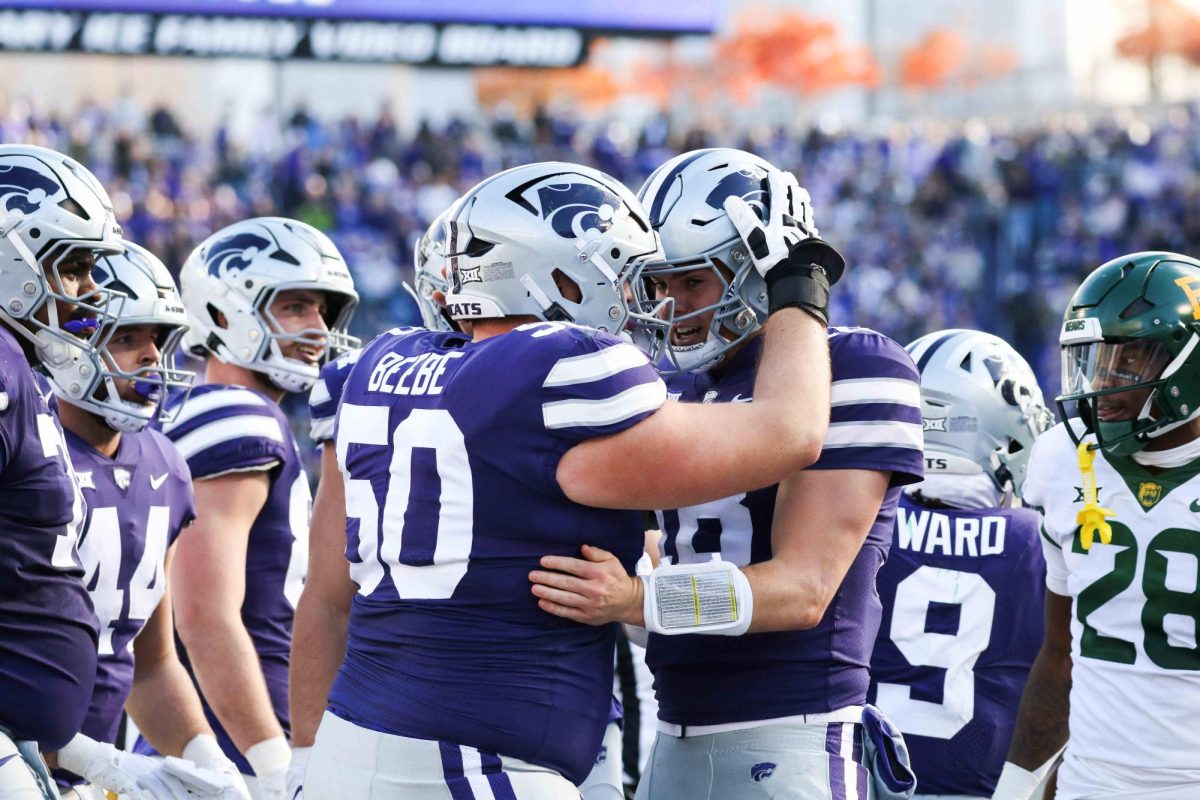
(1132, 329)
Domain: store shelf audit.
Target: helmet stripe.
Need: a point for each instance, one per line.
(937, 343)
(661, 196)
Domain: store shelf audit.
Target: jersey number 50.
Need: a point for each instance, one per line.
(421, 567)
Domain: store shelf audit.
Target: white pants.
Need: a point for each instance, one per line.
(16, 778)
(783, 761)
(605, 781)
(352, 762)
(1094, 779)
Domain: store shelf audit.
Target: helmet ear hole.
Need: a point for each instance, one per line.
(567, 286)
(216, 316)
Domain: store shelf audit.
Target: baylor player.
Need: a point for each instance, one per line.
(1119, 492)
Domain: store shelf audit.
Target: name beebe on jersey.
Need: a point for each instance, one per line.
(423, 376)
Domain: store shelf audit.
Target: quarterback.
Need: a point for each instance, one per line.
(782, 706)
(1119, 496)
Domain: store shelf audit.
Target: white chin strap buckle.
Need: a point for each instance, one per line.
(712, 597)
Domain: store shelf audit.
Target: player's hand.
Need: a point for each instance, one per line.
(594, 590)
(204, 752)
(129, 775)
(784, 238)
(295, 773)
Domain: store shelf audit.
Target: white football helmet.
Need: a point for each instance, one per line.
(515, 236)
(429, 267)
(150, 299)
(51, 208)
(684, 199)
(230, 279)
(981, 406)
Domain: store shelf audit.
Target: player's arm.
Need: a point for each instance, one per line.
(208, 580)
(163, 701)
(319, 630)
(697, 452)
(1041, 730)
(822, 518)
(814, 541)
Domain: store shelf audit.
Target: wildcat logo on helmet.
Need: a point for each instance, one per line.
(748, 184)
(23, 189)
(575, 208)
(239, 251)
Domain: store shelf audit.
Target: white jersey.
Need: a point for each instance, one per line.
(1135, 690)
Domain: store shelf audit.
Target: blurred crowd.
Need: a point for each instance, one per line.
(970, 225)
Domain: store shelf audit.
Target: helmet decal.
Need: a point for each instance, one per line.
(750, 184)
(235, 253)
(573, 209)
(23, 189)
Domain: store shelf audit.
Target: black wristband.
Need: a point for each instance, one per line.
(804, 286)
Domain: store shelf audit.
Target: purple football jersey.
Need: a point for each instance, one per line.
(962, 595)
(137, 503)
(452, 447)
(227, 429)
(47, 628)
(875, 424)
(326, 394)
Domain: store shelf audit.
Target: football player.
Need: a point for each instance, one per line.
(783, 707)
(319, 636)
(55, 218)
(1118, 492)
(962, 589)
(268, 301)
(466, 457)
(139, 498)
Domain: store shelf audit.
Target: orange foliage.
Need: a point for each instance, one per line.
(1172, 29)
(796, 52)
(931, 62)
(529, 88)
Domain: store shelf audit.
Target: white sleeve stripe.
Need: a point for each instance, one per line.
(877, 433)
(321, 429)
(606, 411)
(222, 430)
(320, 393)
(876, 390)
(195, 406)
(595, 366)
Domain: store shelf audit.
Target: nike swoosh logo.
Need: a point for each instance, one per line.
(1195, 506)
(737, 398)
(157, 482)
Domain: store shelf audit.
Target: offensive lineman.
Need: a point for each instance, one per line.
(962, 589)
(475, 455)
(1118, 492)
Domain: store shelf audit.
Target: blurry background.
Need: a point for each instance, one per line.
(972, 159)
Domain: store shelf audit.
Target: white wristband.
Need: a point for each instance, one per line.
(1016, 783)
(710, 597)
(75, 754)
(269, 755)
(203, 750)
